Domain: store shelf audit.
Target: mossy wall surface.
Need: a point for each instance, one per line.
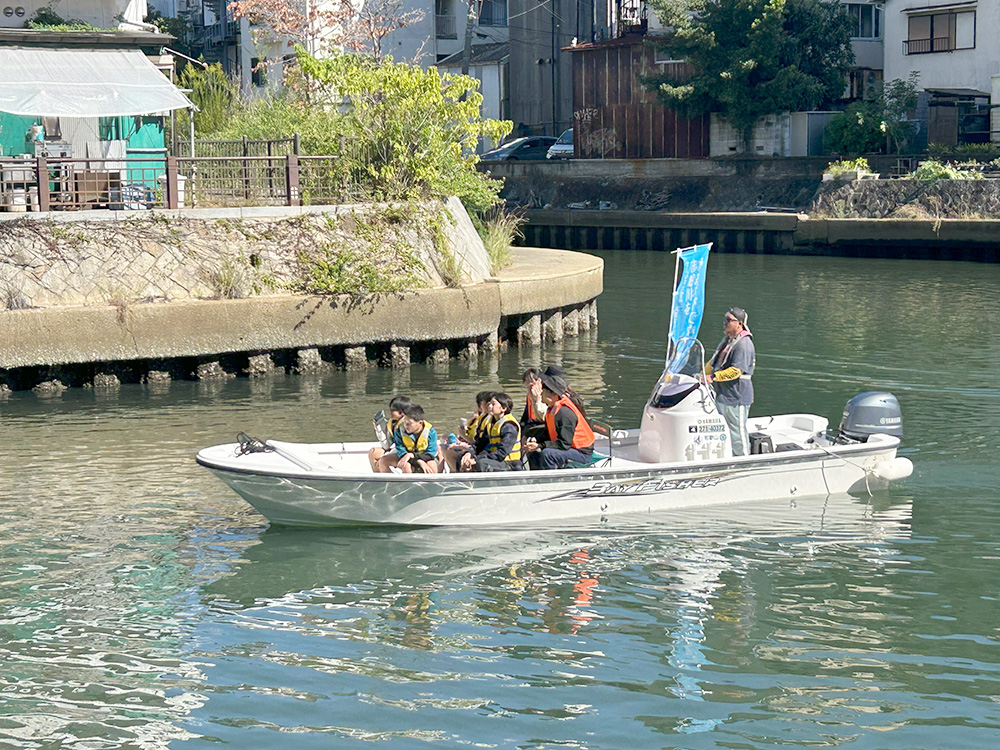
(153, 257)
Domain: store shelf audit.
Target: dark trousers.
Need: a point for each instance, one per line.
(491, 464)
(557, 458)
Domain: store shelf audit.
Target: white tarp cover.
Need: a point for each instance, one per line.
(83, 83)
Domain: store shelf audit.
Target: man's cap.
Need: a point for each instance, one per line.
(555, 371)
(739, 313)
(554, 383)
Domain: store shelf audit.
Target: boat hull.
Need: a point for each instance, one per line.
(300, 496)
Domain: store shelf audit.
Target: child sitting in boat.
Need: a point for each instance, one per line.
(382, 458)
(461, 456)
(416, 443)
(503, 451)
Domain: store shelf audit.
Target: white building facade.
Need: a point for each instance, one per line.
(954, 48)
(103, 14)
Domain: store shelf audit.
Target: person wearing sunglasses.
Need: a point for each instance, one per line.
(730, 370)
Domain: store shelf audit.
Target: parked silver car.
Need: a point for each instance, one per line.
(563, 147)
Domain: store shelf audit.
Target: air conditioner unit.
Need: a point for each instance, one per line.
(871, 86)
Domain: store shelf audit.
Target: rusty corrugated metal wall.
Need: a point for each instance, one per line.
(616, 117)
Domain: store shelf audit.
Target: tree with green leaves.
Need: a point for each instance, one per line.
(399, 132)
(879, 124)
(752, 58)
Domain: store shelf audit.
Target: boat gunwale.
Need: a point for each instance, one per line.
(885, 443)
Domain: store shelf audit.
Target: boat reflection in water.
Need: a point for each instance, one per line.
(561, 568)
(444, 630)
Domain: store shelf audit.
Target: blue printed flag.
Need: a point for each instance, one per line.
(688, 304)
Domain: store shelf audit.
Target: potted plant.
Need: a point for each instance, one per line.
(848, 169)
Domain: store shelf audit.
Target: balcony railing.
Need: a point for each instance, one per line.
(926, 46)
(445, 27)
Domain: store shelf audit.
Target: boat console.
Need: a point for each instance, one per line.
(680, 423)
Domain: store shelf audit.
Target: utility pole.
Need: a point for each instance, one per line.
(470, 24)
(555, 64)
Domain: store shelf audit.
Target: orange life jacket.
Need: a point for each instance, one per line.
(583, 436)
(531, 410)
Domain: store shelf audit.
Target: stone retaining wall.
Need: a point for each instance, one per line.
(767, 233)
(123, 258)
(543, 296)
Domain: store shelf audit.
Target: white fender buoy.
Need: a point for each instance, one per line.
(893, 469)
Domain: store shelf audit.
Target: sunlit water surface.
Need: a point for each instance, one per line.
(144, 606)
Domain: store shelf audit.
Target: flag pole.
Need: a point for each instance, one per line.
(673, 292)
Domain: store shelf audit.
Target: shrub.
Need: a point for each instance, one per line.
(939, 148)
(499, 230)
(854, 131)
(877, 125)
(859, 165)
(215, 95)
(976, 148)
(399, 132)
(932, 170)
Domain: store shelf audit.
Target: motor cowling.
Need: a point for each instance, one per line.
(871, 413)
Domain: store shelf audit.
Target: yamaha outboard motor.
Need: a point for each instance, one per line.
(870, 413)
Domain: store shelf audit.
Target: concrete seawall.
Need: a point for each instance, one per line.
(544, 295)
(766, 233)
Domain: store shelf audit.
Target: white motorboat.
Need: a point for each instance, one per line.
(678, 458)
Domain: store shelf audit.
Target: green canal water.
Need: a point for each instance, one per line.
(144, 606)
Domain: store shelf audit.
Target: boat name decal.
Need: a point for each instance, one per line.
(641, 487)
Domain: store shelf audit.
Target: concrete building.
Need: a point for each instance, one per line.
(541, 68)
(103, 14)
(489, 64)
(441, 32)
(953, 48)
(867, 41)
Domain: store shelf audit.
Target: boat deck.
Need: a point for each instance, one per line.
(787, 432)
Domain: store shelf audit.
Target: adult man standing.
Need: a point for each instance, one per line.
(730, 370)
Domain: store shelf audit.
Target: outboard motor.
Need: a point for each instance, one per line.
(680, 423)
(870, 413)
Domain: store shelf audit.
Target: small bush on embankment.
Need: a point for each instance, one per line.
(499, 230)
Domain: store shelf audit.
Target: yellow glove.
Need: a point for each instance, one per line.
(730, 373)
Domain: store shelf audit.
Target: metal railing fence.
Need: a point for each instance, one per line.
(65, 184)
(240, 147)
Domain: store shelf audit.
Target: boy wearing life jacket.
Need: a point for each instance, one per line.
(570, 437)
(503, 452)
(378, 457)
(416, 443)
(461, 456)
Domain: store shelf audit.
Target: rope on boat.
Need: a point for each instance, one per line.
(249, 444)
(852, 463)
